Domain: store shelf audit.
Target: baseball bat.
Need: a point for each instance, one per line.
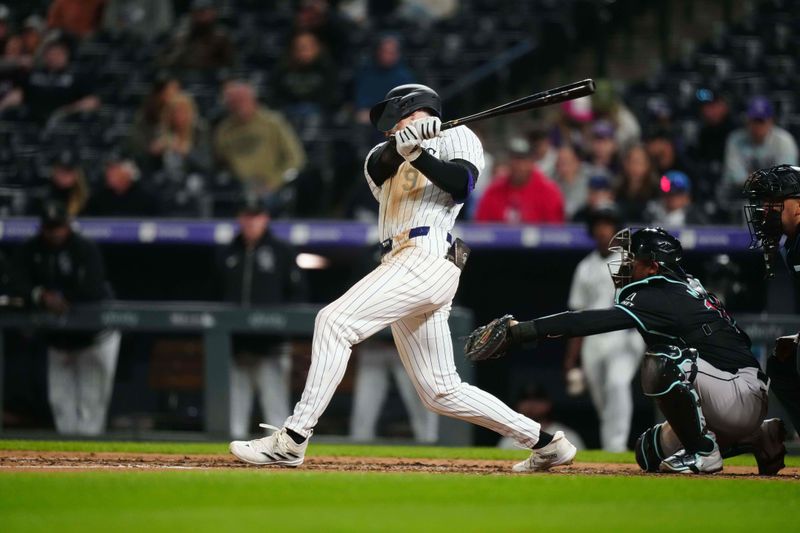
(552, 96)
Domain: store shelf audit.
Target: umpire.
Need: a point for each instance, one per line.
(258, 269)
(773, 211)
(52, 271)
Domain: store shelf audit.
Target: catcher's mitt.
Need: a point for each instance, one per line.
(490, 341)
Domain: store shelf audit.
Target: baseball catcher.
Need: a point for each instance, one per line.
(698, 365)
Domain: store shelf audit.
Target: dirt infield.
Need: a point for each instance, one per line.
(59, 461)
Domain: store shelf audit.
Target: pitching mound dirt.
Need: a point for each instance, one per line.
(26, 460)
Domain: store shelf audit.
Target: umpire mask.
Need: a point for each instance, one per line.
(766, 190)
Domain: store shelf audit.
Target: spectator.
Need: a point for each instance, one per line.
(572, 177)
(305, 81)
(150, 117)
(146, 19)
(54, 270)
(319, 18)
(544, 154)
(534, 401)
(601, 193)
(122, 195)
(203, 45)
(606, 105)
(5, 26)
(638, 184)
(760, 144)
(524, 195)
(574, 120)
(67, 184)
(78, 18)
(14, 67)
(675, 208)
(56, 86)
(257, 145)
(182, 142)
(258, 269)
(32, 34)
(603, 149)
(717, 124)
(660, 146)
(384, 72)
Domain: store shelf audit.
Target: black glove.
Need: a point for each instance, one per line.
(490, 341)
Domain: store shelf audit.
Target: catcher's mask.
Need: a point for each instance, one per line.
(648, 244)
(766, 189)
(621, 269)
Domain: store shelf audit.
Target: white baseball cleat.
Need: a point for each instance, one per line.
(559, 452)
(276, 449)
(695, 463)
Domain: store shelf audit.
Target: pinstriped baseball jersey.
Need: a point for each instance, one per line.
(408, 199)
(411, 291)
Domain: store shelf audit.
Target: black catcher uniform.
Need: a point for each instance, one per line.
(698, 366)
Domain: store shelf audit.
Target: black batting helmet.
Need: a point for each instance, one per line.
(766, 189)
(651, 244)
(402, 101)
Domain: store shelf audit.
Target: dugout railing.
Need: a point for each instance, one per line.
(216, 323)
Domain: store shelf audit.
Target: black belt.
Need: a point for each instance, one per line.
(763, 377)
(419, 231)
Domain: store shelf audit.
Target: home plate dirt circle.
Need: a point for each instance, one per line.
(30, 460)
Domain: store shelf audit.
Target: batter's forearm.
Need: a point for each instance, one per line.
(383, 163)
(456, 177)
(571, 324)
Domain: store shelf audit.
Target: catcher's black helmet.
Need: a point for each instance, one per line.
(402, 101)
(652, 244)
(766, 189)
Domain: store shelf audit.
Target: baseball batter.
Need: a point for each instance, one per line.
(420, 179)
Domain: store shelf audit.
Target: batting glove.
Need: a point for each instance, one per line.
(408, 143)
(428, 127)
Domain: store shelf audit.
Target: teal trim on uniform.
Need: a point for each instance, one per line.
(655, 441)
(645, 281)
(636, 318)
(666, 391)
(665, 355)
(644, 456)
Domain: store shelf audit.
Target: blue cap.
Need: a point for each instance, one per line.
(603, 129)
(599, 182)
(759, 108)
(675, 181)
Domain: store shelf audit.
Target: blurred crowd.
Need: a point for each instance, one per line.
(148, 108)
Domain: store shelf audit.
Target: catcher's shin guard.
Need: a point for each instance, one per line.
(668, 374)
(648, 449)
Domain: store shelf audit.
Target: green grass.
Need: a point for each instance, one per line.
(340, 450)
(263, 499)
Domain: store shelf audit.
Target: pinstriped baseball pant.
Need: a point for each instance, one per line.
(411, 291)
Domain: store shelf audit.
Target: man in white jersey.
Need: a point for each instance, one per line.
(609, 361)
(421, 179)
